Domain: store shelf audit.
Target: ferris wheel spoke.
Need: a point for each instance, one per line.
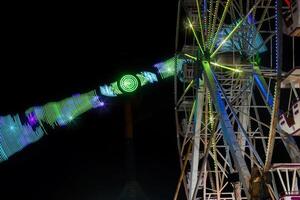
(209, 20)
(241, 7)
(226, 67)
(195, 35)
(200, 20)
(274, 123)
(278, 65)
(261, 20)
(257, 116)
(186, 137)
(247, 5)
(216, 64)
(234, 30)
(220, 24)
(215, 16)
(181, 178)
(226, 126)
(219, 166)
(203, 164)
(243, 131)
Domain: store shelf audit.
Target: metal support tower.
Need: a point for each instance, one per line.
(227, 101)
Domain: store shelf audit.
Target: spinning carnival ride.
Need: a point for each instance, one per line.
(227, 102)
(228, 81)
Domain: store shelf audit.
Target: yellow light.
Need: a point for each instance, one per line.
(190, 56)
(225, 67)
(215, 64)
(195, 35)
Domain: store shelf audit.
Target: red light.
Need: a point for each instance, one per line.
(288, 3)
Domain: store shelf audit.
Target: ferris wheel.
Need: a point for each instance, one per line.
(227, 97)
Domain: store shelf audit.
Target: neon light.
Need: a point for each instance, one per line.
(115, 88)
(220, 24)
(216, 64)
(96, 102)
(17, 132)
(195, 35)
(107, 91)
(151, 77)
(246, 40)
(146, 77)
(32, 119)
(225, 67)
(234, 30)
(190, 56)
(200, 21)
(226, 38)
(62, 112)
(142, 79)
(167, 68)
(101, 103)
(129, 83)
(14, 135)
(211, 117)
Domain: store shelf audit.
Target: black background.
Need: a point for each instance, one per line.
(53, 50)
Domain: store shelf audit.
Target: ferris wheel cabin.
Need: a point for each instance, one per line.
(290, 121)
(289, 179)
(291, 17)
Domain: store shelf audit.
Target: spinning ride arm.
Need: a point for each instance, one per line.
(19, 130)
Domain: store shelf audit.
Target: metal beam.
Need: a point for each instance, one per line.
(288, 141)
(196, 144)
(227, 127)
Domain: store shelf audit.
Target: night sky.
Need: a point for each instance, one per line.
(51, 51)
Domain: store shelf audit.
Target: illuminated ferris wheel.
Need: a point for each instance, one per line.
(227, 97)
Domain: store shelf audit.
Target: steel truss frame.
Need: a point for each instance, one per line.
(225, 119)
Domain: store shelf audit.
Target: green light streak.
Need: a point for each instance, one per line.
(227, 38)
(167, 68)
(225, 67)
(200, 21)
(211, 116)
(210, 18)
(192, 112)
(129, 83)
(64, 111)
(190, 56)
(115, 88)
(142, 79)
(214, 22)
(215, 16)
(233, 30)
(220, 24)
(195, 35)
(215, 64)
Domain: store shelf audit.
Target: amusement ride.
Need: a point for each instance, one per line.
(228, 86)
